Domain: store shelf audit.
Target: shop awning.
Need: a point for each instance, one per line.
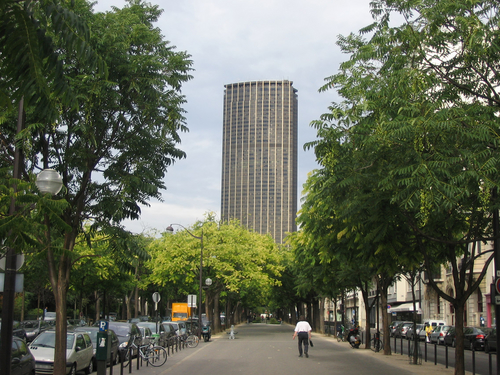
(404, 307)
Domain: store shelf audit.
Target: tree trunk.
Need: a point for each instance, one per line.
(97, 306)
(385, 319)
(217, 325)
(459, 349)
(322, 315)
(60, 284)
(136, 302)
(316, 315)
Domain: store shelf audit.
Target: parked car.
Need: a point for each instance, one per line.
(490, 342)
(451, 338)
(474, 338)
(112, 341)
(192, 326)
(180, 328)
(22, 361)
(49, 315)
(159, 332)
(393, 326)
(434, 323)
(127, 333)
(79, 352)
(17, 330)
(170, 331)
(33, 328)
(438, 334)
(146, 336)
(402, 328)
(419, 332)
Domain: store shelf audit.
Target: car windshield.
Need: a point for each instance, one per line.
(121, 330)
(48, 340)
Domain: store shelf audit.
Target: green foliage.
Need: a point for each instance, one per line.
(409, 159)
(243, 263)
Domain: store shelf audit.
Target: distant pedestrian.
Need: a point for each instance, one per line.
(428, 331)
(303, 330)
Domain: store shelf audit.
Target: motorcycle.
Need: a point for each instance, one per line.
(354, 338)
(206, 331)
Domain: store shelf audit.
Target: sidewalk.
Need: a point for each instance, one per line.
(401, 361)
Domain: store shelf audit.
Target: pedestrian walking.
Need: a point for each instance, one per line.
(303, 331)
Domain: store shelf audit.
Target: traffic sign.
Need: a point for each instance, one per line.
(156, 297)
(103, 325)
(192, 300)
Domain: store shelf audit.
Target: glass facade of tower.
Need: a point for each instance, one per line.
(259, 156)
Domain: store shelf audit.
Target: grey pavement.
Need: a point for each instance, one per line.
(268, 348)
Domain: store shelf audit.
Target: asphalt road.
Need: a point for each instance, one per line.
(269, 349)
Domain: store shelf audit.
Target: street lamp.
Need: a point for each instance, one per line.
(48, 182)
(171, 230)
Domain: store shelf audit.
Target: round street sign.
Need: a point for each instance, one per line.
(497, 285)
(156, 297)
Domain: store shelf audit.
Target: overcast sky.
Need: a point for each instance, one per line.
(237, 41)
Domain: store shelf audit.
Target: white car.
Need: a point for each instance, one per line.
(79, 352)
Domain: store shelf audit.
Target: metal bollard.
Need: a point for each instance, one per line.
(446, 354)
(435, 354)
(425, 349)
(401, 345)
(473, 359)
(130, 361)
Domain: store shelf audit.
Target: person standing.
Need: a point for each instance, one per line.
(428, 331)
(303, 331)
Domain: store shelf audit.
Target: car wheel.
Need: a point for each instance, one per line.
(72, 370)
(88, 370)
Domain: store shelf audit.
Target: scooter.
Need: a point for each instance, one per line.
(354, 338)
(206, 331)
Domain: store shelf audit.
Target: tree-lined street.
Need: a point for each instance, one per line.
(269, 349)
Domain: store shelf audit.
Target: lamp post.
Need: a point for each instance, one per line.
(171, 230)
(48, 182)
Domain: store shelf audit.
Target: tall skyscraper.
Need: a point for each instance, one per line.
(259, 156)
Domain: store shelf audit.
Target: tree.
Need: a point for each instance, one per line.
(114, 149)
(425, 92)
(243, 264)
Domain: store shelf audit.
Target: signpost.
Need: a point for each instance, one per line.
(156, 299)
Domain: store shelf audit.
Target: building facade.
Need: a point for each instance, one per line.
(259, 156)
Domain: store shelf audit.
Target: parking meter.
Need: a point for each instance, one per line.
(103, 352)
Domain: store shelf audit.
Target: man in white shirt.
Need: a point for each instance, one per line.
(303, 330)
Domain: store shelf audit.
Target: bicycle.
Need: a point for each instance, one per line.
(376, 344)
(192, 341)
(154, 355)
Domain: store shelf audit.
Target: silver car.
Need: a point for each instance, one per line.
(79, 352)
(438, 334)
